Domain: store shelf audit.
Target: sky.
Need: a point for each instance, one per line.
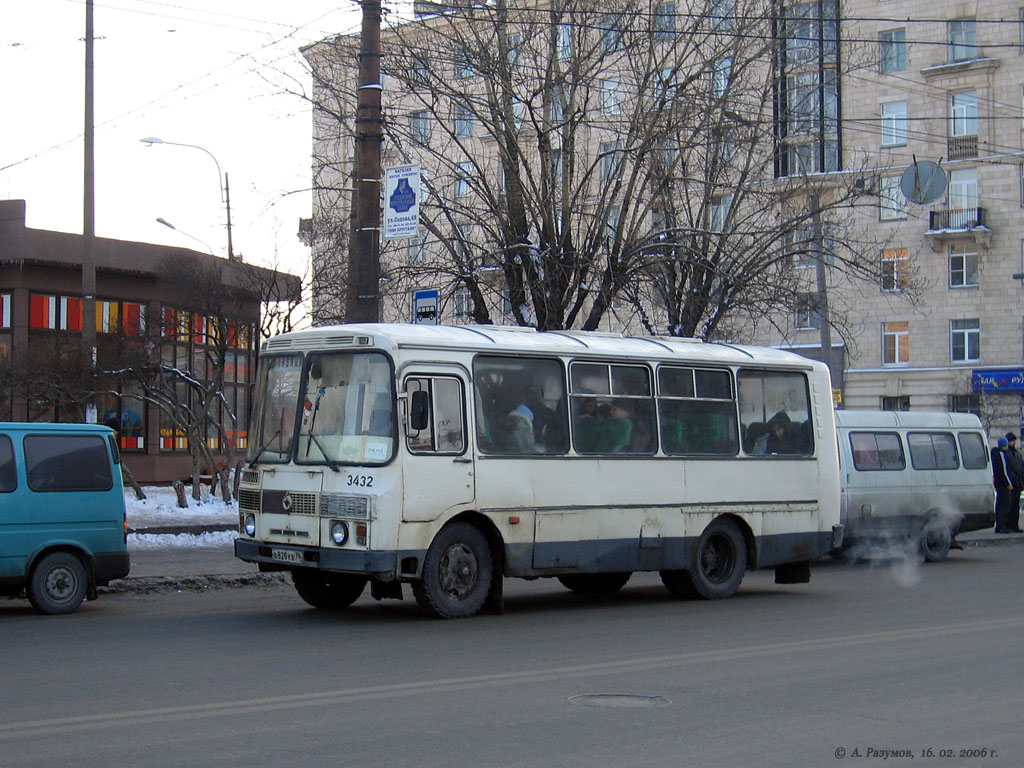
(211, 73)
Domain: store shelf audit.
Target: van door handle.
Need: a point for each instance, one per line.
(462, 460)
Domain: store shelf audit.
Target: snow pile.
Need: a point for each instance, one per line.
(160, 510)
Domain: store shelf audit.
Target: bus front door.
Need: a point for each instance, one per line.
(438, 461)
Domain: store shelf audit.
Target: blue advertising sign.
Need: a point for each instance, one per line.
(1011, 380)
(401, 201)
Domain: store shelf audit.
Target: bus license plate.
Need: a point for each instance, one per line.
(286, 556)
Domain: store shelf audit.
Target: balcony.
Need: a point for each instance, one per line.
(959, 147)
(957, 224)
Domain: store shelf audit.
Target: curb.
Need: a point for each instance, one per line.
(195, 530)
(165, 584)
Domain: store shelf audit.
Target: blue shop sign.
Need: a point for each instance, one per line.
(998, 381)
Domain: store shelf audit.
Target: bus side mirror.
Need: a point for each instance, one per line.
(419, 410)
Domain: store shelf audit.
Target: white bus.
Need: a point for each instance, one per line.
(449, 457)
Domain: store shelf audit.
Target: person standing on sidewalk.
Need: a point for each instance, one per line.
(1002, 483)
(1016, 466)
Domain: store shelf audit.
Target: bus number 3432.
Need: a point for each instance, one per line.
(360, 481)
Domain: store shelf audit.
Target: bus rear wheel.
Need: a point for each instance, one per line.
(719, 564)
(328, 591)
(595, 583)
(457, 573)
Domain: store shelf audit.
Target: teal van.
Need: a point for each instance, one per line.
(62, 520)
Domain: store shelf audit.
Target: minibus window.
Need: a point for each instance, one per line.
(67, 463)
(932, 450)
(972, 450)
(8, 477)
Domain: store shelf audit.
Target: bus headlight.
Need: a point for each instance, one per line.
(250, 525)
(339, 532)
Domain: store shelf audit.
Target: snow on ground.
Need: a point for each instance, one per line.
(160, 510)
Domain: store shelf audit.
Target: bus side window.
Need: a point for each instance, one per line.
(445, 430)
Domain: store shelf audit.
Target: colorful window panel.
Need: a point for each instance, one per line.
(55, 312)
(5, 310)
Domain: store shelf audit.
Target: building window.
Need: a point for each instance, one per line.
(893, 54)
(664, 21)
(461, 300)
(611, 33)
(463, 64)
(896, 343)
(721, 14)
(419, 125)
(719, 213)
(416, 250)
(965, 340)
(964, 114)
(463, 172)
(965, 404)
(720, 77)
(891, 202)
(963, 40)
(963, 267)
(895, 269)
(807, 314)
(611, 160)
(564, 42)
(610, 96)
(894, 124)
(898, 403)
(963, 198)
(55, 313)
(463, 121)
(515, 41)
(5, 310)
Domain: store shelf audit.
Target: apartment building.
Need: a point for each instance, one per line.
(926, 309)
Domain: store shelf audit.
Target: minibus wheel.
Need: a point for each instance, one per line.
(457, 573)
(718, 567)
(328, 591)
(57, 584)
(936, 539)
(595, 583)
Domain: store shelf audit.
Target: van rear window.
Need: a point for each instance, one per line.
(8, 477)
(67, 463)
(972, 450)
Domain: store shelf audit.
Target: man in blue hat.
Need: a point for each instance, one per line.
(1004, 486)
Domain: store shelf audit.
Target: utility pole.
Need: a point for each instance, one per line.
(824, 326)
(362, 298)
(89, 230)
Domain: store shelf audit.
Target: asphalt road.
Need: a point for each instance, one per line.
(867, 657)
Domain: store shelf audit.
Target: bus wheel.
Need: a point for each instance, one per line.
(328, 591)
(595, 583)
(457, 573)
(718, 567)
(935, 542)
(57, 584)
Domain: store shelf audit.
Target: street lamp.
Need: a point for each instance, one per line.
(225, 190)
(166, 223)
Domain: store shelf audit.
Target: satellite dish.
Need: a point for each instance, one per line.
(923, 182)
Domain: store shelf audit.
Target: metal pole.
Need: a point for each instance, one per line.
(362, 299)
(227, 203)
(89, 229)
(824, 326)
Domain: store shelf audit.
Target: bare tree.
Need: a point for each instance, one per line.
(581, 159)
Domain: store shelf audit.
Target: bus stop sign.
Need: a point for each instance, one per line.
(424, 307)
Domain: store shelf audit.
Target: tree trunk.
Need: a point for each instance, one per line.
(129, 478)
(179, 490)
(238, 475)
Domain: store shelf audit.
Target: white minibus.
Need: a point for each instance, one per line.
(913, 476)
(447, 458)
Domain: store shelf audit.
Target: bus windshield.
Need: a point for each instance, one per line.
(273, 424)
(347, 407)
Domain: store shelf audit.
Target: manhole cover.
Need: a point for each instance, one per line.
(618, 700)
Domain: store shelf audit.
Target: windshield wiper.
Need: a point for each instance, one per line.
(262, 448)
(316, 441)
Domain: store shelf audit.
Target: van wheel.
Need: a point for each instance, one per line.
(935, 542)
(457, 573)
(57, 584)
(595, 583)
(719, 564)
(328, 591)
